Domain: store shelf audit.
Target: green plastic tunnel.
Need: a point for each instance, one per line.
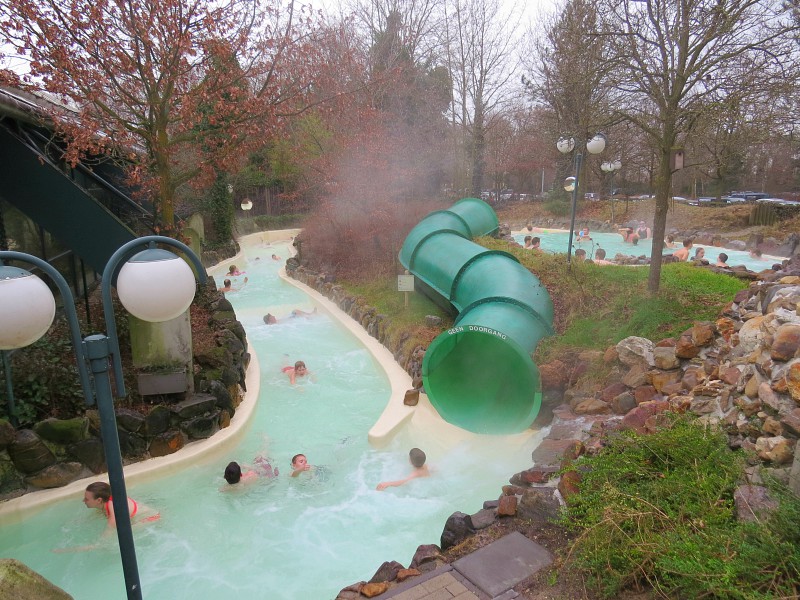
(479, 375)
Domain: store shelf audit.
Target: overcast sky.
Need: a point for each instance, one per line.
(530, 8)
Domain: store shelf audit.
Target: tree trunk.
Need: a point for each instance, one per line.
(165, 203)
(663, 188)
(478, 151)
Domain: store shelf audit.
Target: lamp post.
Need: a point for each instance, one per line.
(571, 184)
(611, 167)
(152, 284)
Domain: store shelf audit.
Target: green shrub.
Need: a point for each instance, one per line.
(558, 208)
(657, 510)
(45, 379)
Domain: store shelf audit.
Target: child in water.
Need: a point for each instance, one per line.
(261, 468)
(298, 370)
(417, 459)
(98, 496)
(300, 464)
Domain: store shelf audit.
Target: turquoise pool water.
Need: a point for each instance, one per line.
(287, 539)
(557, 241)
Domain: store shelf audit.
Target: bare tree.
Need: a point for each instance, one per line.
(674, 64)
(416, 39)
(481, 43)
(566, 73)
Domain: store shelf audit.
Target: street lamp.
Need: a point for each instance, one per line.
(571, 184)
(611, 167)
(154, 285)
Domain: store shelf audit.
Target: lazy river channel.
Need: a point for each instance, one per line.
(286, 538)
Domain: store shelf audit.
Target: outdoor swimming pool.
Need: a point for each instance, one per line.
(288, 538)
(556, 241)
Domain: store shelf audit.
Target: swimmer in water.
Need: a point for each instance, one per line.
(300, 464)
(298, 370)
(417, 459)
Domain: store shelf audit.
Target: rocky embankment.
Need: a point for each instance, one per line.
(740, 373)
(54, 452)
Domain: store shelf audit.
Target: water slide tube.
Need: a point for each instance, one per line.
(479, 375)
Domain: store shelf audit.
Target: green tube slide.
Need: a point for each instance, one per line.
(479, 374)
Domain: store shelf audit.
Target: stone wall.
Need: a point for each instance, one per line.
(740, 373)
(55, 452)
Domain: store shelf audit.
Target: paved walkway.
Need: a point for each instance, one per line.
(489, 573)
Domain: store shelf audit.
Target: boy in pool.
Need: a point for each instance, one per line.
(228, 286)
(298, 370)
(417, 459)
(600, 257)
(682, 254)
(261, 468)
(300, 464)
(271, 319)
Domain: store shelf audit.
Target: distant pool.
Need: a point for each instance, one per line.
(556, 241)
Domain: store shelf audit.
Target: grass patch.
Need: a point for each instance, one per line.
(657, 511)
(596, 306)
(406, 324)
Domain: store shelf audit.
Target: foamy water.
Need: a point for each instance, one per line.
(288, 538)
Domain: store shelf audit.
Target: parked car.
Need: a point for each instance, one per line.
(749, 196)
(778, 201)
(506, 195)
(591, 196)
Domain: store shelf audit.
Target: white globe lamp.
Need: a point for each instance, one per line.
(156, 285)
(27, 308)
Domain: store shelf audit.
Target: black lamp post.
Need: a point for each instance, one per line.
(154, 285)
(611, 167)
(571, 184)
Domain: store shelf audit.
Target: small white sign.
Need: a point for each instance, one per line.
(405, 283)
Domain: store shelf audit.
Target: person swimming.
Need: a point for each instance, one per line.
(300, 464)
(261, 468)
(270, 319)
(228, 286)
(298, 370)
(98, 495)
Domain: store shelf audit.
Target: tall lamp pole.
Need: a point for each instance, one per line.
(154, 285)
(571, 184)
(611, 167)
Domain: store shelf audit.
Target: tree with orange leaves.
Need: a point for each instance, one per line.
(178, 89)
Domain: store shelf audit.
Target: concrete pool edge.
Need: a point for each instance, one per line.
(21, 506)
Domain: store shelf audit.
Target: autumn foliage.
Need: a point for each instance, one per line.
(179, 90)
